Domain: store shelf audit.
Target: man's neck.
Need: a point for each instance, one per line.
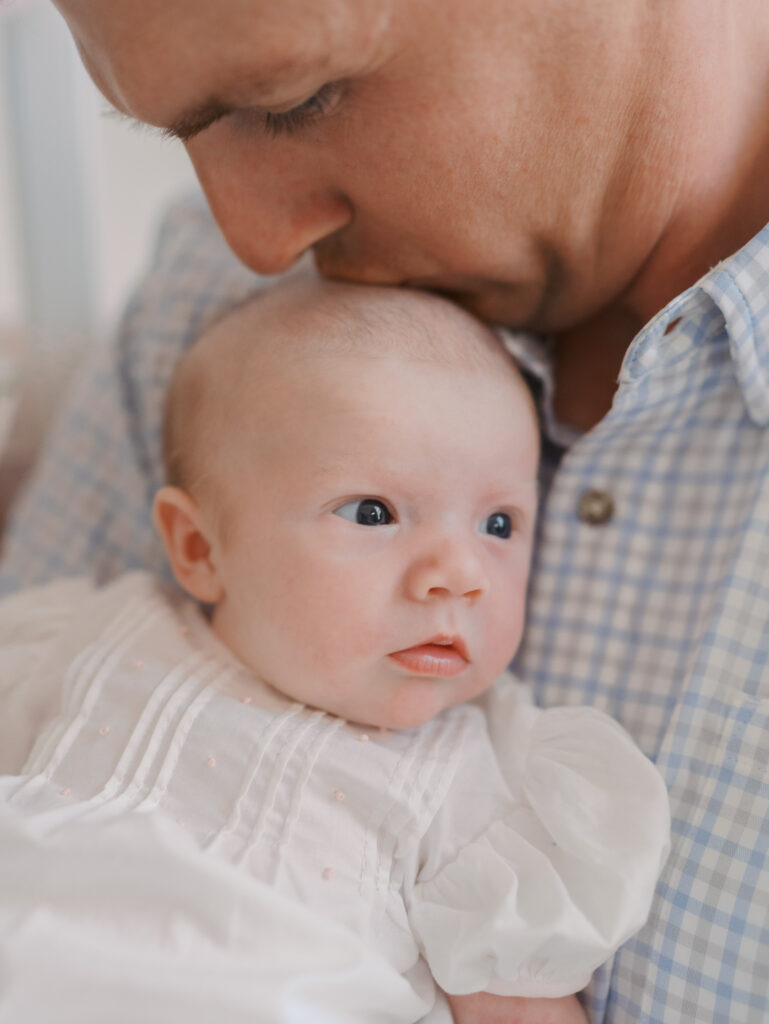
(587, 362)
(722, 199)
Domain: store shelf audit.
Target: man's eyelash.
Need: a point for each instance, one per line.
(299, 117)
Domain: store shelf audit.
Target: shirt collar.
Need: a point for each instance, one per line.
(739, 286)
(739, 289)
(534, 355)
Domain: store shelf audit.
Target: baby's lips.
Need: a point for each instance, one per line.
(451, 640)
(441, 656)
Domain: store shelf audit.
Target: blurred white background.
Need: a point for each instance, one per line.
(81, 195)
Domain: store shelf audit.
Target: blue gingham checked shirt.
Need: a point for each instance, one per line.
(660, 616)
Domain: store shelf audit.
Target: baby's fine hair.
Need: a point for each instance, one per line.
(300, 319)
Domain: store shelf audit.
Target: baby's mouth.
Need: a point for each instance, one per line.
(441, 656)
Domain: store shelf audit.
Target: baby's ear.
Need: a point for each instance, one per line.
(188, 542)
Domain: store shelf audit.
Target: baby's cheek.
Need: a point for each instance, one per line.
(338, 637)
(505, 632)
(356, 614)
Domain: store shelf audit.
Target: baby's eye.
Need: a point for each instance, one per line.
(498, 524)
(366, 512)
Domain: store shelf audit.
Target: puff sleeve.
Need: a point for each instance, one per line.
(563, 875)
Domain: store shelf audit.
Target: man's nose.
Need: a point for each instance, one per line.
(269, 212)
(449, 569)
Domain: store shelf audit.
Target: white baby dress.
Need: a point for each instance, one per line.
(498, 847)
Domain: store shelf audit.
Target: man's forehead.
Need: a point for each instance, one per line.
(156, 59)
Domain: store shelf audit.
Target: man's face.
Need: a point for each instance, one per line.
(474, 148)
(379, 518)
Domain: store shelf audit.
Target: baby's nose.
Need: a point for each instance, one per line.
(450, 569)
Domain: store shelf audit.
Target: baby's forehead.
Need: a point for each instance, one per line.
(307, 321)
(261, 370)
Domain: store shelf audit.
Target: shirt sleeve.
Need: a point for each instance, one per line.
(565, 872)
(30, 624)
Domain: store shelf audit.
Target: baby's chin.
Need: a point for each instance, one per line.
(412, 701)
(381, 720)
(400, 714)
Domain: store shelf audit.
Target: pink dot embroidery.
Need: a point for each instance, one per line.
(339, 795)
(180, 822)
(245, 700)
(184, 630)
(327, 873)
(364, 737)
(211, 762)
(104, 731)
(137, 663)
(65, 792)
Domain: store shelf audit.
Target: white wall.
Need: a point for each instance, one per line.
(81, 196)
(136, 175)
(10, 305)
(126, 176)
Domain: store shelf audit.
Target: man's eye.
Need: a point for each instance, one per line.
(499, 524)
(304, 113)
(365, 512)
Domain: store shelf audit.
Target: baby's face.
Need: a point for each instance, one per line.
(379, 529)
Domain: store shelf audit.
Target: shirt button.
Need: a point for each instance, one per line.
(595, 507)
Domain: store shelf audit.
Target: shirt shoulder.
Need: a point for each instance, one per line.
(31, 624)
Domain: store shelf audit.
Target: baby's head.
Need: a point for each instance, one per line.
(352, 486)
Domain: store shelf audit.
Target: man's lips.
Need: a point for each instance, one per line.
(451, 285)
(442, 656)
